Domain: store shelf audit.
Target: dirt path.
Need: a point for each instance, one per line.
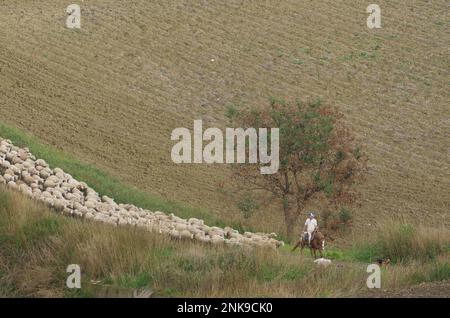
(423, 290)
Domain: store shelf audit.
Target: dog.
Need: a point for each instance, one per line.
(384, 262)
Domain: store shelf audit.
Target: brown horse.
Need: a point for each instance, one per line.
(317, 244)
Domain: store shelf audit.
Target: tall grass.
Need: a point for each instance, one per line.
(401, 242)
(37, 245)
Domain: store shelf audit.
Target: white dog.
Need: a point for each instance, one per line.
(322, 262)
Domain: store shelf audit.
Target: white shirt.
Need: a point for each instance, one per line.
(311, 225)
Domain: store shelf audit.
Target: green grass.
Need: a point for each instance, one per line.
(366, 252)
(41, 229)
(268, 272)
(361, 55)
(402, 242)
(140, 280)
(439, 271)
(294, 274)
(105, 184)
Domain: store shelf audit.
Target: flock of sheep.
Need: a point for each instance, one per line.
(20, 170)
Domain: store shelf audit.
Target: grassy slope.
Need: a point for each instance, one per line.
(103, 182)
(36, 246)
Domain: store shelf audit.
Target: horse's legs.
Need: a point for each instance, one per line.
(322, 248)
(297, 245)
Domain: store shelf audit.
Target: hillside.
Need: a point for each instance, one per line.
(111, 93)
(119, 261)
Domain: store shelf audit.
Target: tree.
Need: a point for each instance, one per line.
(317, 157)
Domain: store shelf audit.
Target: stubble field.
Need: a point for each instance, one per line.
(111, 93)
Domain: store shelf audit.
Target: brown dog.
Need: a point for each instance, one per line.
(384, 262)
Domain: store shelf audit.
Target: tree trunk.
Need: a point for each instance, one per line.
(290, 230)
(288, 219)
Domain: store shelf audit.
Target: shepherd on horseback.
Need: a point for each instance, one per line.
(310, 228)
(311, 237)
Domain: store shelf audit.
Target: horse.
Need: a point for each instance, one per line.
(317, 244)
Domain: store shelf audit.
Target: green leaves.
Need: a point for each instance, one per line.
(314, 148)
(247, 205)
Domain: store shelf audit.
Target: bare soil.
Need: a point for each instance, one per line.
(423, 290)
(112, 92)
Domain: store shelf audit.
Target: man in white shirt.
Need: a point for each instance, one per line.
(310, 226)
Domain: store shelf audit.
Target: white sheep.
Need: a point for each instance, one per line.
(51, 182)
(5, 164)
(180, 227)
(15, 169)
(8, 177)
(322, 262)
(25, 189)
(185, 234)
(41, 163)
